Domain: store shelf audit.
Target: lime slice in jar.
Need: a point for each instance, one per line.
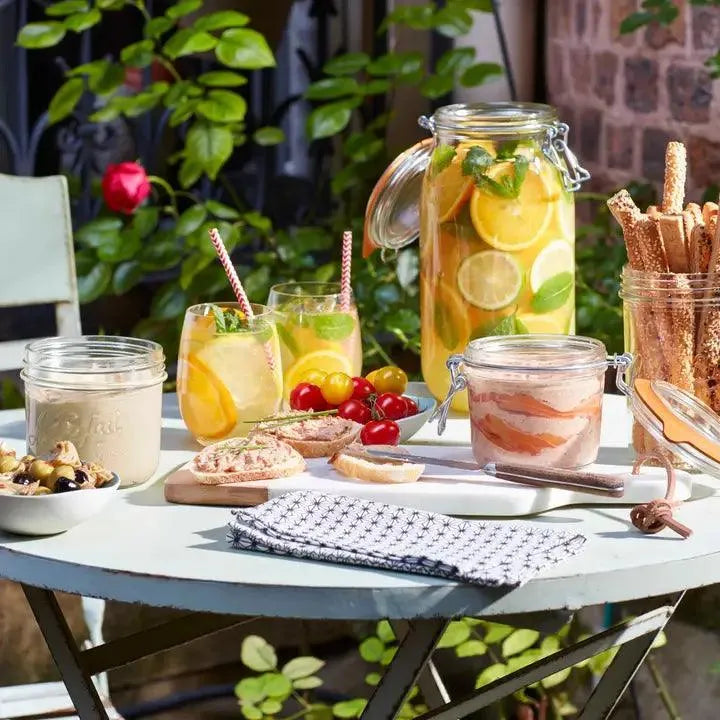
(489, 280)
(556, 257)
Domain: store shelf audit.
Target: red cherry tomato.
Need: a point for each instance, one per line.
(307, 396)
(362, 389)
(355, 410)
(412, 408)
(380, 432)
(390, 406)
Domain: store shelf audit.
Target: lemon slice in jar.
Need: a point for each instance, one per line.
(539, 324)
(512, 223)
(489, 280)
(556, 257)
(451, 188)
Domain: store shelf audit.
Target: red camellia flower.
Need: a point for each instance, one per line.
(125, 186)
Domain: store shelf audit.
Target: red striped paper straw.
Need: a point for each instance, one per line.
(345, 270)
(236, 285)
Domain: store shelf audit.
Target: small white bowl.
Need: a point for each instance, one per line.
(410, 425)
(55, 513)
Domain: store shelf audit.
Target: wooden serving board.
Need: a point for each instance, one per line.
(445, 490)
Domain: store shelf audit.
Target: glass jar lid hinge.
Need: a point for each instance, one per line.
(556, 150)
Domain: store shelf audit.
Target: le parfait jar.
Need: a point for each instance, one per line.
(491, 197)
(102, 393)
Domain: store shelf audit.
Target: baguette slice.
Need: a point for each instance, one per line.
(355, 463)
(316, 437)
(242, 460)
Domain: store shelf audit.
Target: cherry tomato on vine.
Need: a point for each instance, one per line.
(314, 377)
(362, 389)
(336, 388)
(380, 432)
(412, 408)
(306, 396)
(355, 410)
(390, 379)
(390, 406)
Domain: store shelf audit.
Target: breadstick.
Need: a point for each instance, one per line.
(652, 250)
(675, 173)
(709, 213)
(626, 212)
(692, 216)
(700, 249)
(652, 211)
(672, 232)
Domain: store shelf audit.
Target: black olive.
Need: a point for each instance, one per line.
(64, 484)
(80, 476)
(23, 478)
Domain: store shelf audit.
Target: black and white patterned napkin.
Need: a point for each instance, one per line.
(352, 531)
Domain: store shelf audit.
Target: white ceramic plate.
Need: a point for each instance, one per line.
(410, 425)
(55, 513)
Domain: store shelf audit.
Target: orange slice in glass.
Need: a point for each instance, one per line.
(206, 405)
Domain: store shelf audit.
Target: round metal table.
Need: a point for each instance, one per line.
(142, 549)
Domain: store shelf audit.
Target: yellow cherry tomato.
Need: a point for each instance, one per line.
(314, 376)
(336, 388)
(370, 377)
(390, 379)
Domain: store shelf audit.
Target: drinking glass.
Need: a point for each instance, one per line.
(316, 330)
(227, 379)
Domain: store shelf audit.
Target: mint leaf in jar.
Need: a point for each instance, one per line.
(505, 326)
(333, 326)
(444, 327)
(553, 293)
(521, 168)
(220, 325)
(506, 150)
(441, 157)
(476, 161)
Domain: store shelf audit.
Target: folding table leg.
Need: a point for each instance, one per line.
(65, 652)
(620, 673)
(429, 681)
(413, 652)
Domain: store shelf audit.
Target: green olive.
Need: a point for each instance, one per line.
(41, 470)
(66, 471)
(8, 463)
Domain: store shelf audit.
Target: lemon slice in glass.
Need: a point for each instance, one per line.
(512, 224)
(327, 361)
(556, 257)
(489, 280)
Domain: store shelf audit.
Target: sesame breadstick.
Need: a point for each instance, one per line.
(626, 212)
(653, 211)
(652, 249)
(709, 213)
(692, 216)
(700, 249)
(675, 173)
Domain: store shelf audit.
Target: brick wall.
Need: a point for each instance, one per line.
(626, 96)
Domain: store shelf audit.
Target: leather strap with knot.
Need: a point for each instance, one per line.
(656, 515)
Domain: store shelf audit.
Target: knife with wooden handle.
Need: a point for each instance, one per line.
(542, 477)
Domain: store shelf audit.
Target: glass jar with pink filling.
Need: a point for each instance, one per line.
(534, 399)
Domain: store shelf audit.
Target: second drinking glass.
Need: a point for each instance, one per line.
(318, 330)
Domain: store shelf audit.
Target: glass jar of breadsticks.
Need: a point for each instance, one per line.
(671, 290)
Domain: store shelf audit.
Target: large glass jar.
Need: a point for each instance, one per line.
(496, 224)
(102, 393)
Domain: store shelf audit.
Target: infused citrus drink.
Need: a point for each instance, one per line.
(229, 370)
(496, 246)
(318, 331)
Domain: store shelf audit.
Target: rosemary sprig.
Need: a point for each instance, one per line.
(287, 419)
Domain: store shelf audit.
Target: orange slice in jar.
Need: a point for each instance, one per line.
(451, 188)
(512, 223)
(448, 313)
(206, 405)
